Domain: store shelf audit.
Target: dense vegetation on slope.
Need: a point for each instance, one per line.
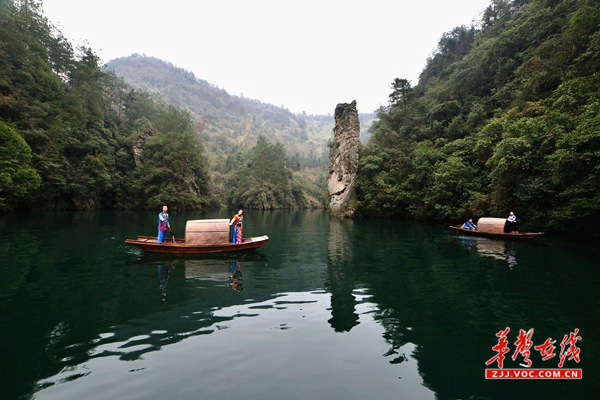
(67, 129)
(506, 116)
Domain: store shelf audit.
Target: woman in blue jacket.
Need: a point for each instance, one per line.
(163, 225)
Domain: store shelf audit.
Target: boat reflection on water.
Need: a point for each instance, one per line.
(163, 276)
(468, 243)
(214, 271)
(165, 259)
(207, 270)
(226, 273)
(164, 270)
(512, 257)
(236, 276)
(498, 249)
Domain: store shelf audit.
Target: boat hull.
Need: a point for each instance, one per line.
(149, 244)
(495, 235)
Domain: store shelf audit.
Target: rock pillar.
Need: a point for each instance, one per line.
(343, 161)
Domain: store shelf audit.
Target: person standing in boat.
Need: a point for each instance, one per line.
(469, 225)
(237, 222)
(511, 221)
(163, 225)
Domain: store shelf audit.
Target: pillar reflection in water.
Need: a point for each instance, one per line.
(341, 274)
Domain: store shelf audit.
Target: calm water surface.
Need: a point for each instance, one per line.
(328, 309)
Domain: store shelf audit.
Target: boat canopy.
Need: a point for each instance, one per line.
(492, 225)
(206, 231)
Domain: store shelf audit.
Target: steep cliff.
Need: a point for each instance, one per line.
(138, 146)
(343, 161)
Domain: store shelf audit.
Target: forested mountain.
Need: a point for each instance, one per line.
(226, 121)
(505, 117)
(68, 129)
(230, 127)
(73, 135)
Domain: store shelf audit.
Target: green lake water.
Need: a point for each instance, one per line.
(327, 309)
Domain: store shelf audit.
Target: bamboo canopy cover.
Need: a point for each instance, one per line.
(207, 231)
(492, 225)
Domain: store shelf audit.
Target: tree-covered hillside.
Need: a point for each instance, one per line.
(227, 121)
(68, 129)
(506, 117)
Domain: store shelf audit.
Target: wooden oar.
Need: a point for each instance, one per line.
(172, 234)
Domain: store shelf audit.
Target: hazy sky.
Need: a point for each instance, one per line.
(303, 55)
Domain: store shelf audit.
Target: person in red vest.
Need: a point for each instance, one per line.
(237, 222)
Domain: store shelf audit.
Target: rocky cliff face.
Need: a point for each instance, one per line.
(138, 146)
(343, 161)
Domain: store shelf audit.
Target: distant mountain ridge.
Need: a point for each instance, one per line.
(227, 122)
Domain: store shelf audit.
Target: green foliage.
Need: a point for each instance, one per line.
(17, 176)
(379, 172)
(451, 48)
(264, 182)
(454, 186)
(173, 171)
(511, 123)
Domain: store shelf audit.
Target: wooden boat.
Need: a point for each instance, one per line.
(510, 236)
(201, 237)
(149, 244)
(493, 228)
